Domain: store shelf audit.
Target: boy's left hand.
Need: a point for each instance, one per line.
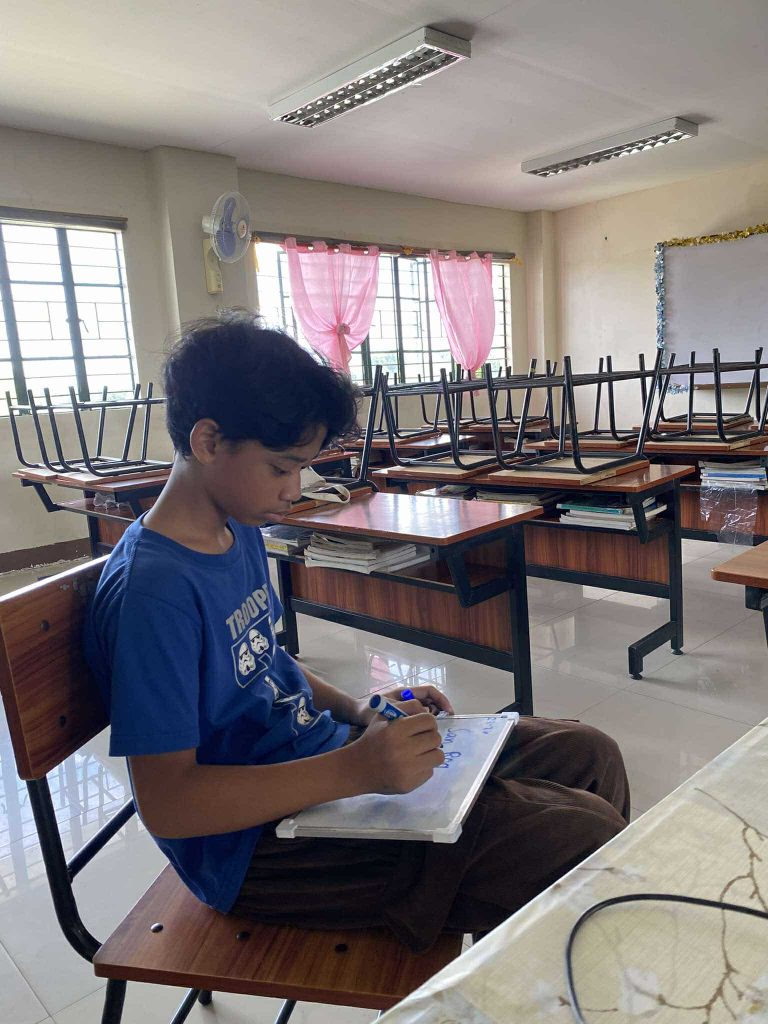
(425, 698)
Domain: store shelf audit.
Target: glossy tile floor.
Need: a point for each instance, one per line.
(683, 712)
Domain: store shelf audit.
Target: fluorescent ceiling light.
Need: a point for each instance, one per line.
(637, 140)
(408, 60)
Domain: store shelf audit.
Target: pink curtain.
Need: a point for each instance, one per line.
(333, 291)
(464, 294)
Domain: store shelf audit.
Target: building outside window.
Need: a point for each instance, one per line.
(64, 313)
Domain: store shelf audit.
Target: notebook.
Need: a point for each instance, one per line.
(435, 811)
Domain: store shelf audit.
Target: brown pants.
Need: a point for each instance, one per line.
(557, 793)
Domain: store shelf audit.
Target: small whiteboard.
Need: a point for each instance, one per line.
(433, 812)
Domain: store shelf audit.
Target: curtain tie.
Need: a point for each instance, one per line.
(342, 329)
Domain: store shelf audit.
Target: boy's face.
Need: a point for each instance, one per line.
(249, 481)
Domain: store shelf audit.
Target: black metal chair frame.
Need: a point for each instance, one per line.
(361, 477)
(568, 430)
(450, 394)
(97, 464)
(718, 419)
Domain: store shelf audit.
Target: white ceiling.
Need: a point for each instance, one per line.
(544, 75)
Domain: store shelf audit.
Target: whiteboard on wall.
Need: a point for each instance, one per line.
(715, 295)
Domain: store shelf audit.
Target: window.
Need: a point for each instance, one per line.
(64, 316)
(407, 335)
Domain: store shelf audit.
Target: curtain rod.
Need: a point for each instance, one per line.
(386, 248)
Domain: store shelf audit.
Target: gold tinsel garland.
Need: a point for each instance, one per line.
(725, 236)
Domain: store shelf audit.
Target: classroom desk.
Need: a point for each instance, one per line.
(457, 602)
(750, 570)
(111, 504)
(648, 561)
(708, 513)
(121, 499)
(640, 961)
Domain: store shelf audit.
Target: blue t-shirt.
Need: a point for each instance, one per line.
(182, 645)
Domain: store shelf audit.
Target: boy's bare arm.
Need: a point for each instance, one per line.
(177, 797)
(328, 698)
(357, 711)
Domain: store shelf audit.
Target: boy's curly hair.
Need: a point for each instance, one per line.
(257, 383)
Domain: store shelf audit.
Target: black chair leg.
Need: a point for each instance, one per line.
(113, 1002)
(285, 1011)
(205, 998)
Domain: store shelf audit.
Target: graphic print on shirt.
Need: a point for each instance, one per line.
(252, 632)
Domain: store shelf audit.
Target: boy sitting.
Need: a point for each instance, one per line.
(226, 734)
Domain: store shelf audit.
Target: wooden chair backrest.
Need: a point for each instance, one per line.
(51, 700)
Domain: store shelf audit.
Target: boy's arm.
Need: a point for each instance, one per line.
(177, 797)
(356, 711)
(326, 697)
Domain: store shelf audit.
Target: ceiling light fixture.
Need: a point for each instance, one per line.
(408, 60)
(637, 140)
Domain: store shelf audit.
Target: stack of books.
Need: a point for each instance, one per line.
(361, 555)
(285, 540)
(543, 498)
(604, 513)
(742, 476)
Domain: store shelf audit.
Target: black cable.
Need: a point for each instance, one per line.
(658, 897)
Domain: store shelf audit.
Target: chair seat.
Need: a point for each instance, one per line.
(200, 948)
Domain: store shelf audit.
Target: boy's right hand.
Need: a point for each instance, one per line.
(400, 755)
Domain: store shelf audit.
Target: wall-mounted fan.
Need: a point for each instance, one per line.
(229, 226)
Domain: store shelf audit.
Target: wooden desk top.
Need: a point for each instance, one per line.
(448, 474)
(643, 960)
(586, 444)
(504, 428)
(627, 483)
(755, 448)
(91, 482)
(750, 568)
(409, 517)
(379, 443)
(430, 443)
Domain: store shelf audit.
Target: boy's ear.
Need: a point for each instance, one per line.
(205, 440)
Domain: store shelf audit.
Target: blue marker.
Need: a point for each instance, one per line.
(407, 695)
(383, 707)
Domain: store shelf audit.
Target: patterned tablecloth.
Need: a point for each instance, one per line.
(655, 962)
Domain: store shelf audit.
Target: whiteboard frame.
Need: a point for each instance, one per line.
(293, 828)
(662, 313)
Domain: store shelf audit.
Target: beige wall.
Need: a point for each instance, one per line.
(163, 194)
(604, 281)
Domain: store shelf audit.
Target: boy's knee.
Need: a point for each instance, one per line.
(598, 746)
(590, 825)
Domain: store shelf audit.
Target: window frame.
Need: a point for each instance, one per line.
(60, 223)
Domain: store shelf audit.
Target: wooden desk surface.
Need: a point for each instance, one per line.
(627, 483)
(504, 428)
(754, 449)
(641, 961)
(379, 443)
(750, 568)
(91, 482)
(409, 517)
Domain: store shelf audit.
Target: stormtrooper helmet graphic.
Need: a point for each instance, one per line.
(257, 640)
(246, 662)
